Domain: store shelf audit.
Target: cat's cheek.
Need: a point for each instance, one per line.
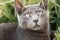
(31, 24)
(40, 22)
(20, 25)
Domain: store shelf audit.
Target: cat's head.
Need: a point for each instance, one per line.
(32, 17)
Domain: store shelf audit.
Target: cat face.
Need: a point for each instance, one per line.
(32, 17)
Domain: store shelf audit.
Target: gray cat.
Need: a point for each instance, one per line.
(33, 23)
(33, 17)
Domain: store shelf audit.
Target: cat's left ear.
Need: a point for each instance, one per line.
(44, 4)
(19, 7)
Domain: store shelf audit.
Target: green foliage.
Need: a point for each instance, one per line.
(57, 34)
(54, 8)
(8, 14)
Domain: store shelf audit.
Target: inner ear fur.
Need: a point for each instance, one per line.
(44, 4)
(19, 7)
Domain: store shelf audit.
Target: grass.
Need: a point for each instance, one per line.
(7, 13)
(57, 34)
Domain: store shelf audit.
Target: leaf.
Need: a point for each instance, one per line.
(3, 2)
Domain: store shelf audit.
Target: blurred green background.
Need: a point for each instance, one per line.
(8, 14)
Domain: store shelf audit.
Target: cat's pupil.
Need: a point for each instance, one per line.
(38, 14)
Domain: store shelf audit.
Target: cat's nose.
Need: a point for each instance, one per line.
(35, 21)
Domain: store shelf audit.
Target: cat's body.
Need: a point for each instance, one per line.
(22, 34)
(10, 31)
(33, 23)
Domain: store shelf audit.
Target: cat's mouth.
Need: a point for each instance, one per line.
(36, 26)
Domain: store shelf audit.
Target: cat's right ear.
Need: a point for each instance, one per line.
(19, 7)
(44, 4)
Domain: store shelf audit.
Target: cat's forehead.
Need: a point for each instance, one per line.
(34, 7)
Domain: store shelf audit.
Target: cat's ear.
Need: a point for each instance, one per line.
(44, 4)
(19, 7)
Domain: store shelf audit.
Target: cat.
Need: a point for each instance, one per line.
(33, 19)
(33, 23)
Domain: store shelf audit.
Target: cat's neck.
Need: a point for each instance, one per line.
(32, 32)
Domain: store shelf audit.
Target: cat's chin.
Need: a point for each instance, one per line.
(35, 29)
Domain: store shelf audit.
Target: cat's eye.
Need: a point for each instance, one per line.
(27, 15)
(40, 13)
